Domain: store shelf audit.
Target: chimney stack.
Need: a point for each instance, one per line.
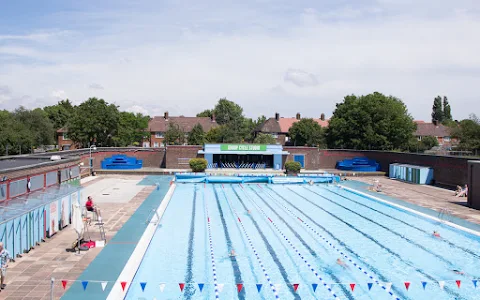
(322, 117)
(298, 116)
(435, 122)
(277, 117)
(165, 115)
(212, 117)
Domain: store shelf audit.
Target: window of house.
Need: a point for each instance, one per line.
(419, 138)
(146, 144)
(274, 135)
(159, 135)
(446, 139)
(155, 144)
(65, 136)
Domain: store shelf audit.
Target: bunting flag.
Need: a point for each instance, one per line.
(104, 285)
(370, 285)
(424, 283)
(162, 287)
(200, 286)
(407, 285)
(182, 286)
(64, 283)
(84, 283)
(123, 284)
(295, 287)
(458, 283)
(441, 284)
(239, 287)
(352, 286)
(474, 283)
(220, 287)
(143, 284)
(314, 286)
(388, 285)
(259, 287)
(277, 286)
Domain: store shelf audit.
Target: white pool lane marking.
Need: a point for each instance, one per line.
(133, 263)
(253, 247)
(474, 232)
(212, 256)
(310, 267)
(378, 282)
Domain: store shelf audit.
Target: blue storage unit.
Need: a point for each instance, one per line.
(121, 162)
(358, 164)
(27, 220)
(411, 173)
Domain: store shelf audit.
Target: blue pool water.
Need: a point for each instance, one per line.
(294, 234)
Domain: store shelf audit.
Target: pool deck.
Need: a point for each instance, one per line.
(426, 196)
(29, 277)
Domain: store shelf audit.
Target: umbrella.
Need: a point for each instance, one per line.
(77, 221)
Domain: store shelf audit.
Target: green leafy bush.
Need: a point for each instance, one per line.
(198, 164)
(293, 166)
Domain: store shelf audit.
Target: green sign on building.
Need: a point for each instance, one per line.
(243, 147)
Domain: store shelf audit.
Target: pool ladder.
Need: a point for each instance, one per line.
(152, 212)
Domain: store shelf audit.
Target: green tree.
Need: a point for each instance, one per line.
(428, 142)
(60, 113)
(447, 111)
(205, 113)
(214, 135)
(94, 121)
(38, 124)
(228, 112)
(174, 135)
(132, 129)
(468, 132)
(373, 121)
(264, 138)
(196, 135)
(437, 110)
(14, 136)
(307, 132)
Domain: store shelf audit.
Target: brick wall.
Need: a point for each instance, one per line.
(312, 157)
(177, 156)
(61, 142)
(151, 157)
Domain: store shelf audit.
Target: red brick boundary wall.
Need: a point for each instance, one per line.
(177, 157)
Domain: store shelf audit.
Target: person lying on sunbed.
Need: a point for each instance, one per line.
(464, 192)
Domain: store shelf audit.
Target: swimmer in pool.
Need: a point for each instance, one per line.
(232, 253)
(341, 263)
(436, 234)
(458, 272)
(249, 211)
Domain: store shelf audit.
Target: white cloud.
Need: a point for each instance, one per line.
(300, 78)
(95, 86)
(137, 109)
(243, 53)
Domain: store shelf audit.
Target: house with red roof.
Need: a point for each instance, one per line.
(441, 132)
(157, 126)
(278, 126)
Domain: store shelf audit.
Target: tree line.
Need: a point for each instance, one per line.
(374, 121)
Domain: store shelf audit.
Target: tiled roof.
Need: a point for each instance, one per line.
(430, 129)
(160, 124)
(283, 125)
(63, 129)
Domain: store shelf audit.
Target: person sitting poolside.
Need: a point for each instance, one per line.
(436, 234)
(458, 190)
(93, 208)
(464, 192)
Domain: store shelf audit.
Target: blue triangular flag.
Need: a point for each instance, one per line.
(314, 286)
(84, 283)
(369, 285)
(200, 286)
(424, 283)
(259, 287)
(143, 284)
(475, 283)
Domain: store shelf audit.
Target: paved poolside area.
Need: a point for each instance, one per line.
(29, 277)
(426, 196)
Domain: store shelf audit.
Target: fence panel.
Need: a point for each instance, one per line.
(75, 171)
(18, 187)
(36, 182)
(51, 178)
(3, 191)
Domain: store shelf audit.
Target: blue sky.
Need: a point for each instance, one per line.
(268, 56)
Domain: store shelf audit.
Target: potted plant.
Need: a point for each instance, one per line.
(198, 164)
(292, 167)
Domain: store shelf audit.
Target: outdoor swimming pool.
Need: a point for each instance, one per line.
(287, 247)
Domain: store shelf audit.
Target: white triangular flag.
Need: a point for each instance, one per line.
(388, 285)
(277, 286)
(220, 286)
(104, 285)
(441, 284)
(162, 287)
